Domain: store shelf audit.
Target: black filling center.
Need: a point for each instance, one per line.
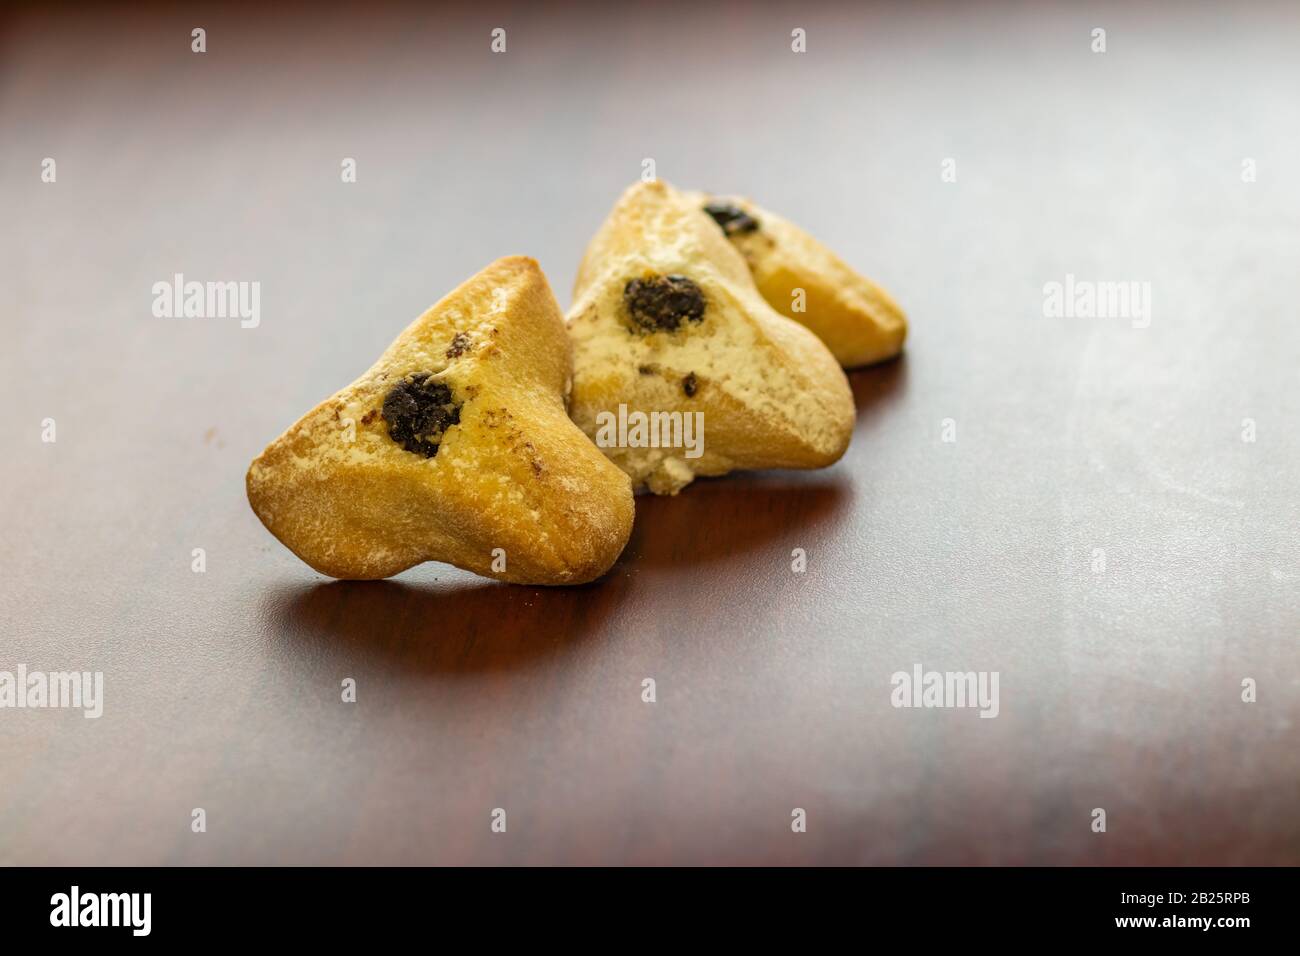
(419, 412)
(731, 218)
(660, 303)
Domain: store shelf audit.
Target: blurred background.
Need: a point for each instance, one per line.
(1120, 688)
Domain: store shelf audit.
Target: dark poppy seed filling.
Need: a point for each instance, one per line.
(731, 218)
(660, 303)
(419, 412)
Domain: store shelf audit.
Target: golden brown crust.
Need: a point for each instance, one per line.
(513, 474)
(771, 394)
(857, 319)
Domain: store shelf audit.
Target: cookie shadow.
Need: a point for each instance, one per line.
(877, 388)
(716, 520)
(725, 519)
(432, 627)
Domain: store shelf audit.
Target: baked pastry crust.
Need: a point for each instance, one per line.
(508, 471)
(771, 394)
(857, 319)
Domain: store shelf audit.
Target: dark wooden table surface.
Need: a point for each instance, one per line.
(1120, 688)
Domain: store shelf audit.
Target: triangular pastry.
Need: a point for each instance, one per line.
(667, 322)
(453, 447)
(857, 319)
